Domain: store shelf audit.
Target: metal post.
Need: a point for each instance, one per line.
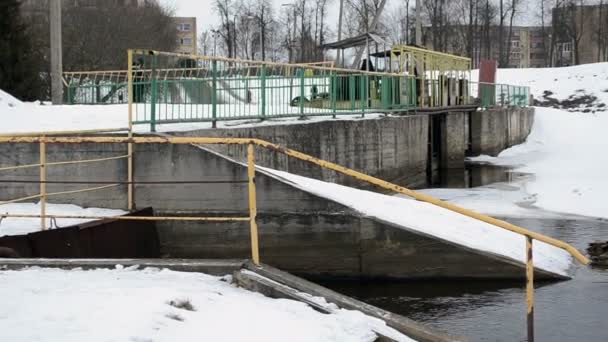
(153, 91)
(214, 93)
(263, 92)
(56, 53)
(130, 145)
(303, 71)
(530, 288)
(334, 92)
(42, 186)
(255, 253)
(418, 24)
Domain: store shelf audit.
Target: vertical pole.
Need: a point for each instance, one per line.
(255, 253)
(154, 90)
(56, 52)
(334, 92)
(263, 92)
(418, 24)
(303, 71)
(340, 30)
(130, 145)
(214, 93)
(530, 288)
(42, 186)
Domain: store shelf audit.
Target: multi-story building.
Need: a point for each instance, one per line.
(581, 34)
(186, 34)
(525, 46)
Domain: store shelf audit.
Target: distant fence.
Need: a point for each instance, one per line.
(172, 88)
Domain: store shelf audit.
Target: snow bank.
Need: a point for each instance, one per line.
(431, 220)
(566, 152)
(8, 101)
(129, 305)
(562, 84)
(18, 226)
(36, 117)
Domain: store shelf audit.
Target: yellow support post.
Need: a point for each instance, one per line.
(130, 144)
(255, 252)
(42, 186)
(530, 288)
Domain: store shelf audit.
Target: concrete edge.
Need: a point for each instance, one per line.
(207, 266)
(539, 273)
(400, 323)
(254, 282)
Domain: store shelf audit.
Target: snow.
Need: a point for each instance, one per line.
(18, 226)
(566, 152)
(428, 219)
(8, 101)
(125, 304)
(38, 117)
(564, 83)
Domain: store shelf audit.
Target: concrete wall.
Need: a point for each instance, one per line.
(392, 148)
(496, 129)
(335, 244)
(389, 148)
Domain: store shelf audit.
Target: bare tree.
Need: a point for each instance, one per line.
(227, 29)
(513, 9)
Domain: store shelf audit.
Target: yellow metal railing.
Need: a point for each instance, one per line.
(251, 143)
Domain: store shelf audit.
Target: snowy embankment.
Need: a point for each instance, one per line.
(428, 219)
(18, 226)
(566, 152)
(580, 88)
(162, 305)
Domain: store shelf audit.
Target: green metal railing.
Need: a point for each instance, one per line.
(170, 88)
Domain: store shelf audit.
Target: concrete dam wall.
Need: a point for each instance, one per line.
(299, 232)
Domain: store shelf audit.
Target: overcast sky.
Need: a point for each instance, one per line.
(206, 17)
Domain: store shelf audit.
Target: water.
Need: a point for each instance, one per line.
(573, 310)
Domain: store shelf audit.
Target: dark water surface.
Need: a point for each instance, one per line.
(573, 310)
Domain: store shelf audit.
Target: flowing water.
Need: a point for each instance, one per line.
(573, 310)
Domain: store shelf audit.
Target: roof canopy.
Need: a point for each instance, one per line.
(356, 41)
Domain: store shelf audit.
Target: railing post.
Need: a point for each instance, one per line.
(153, 96)
(130, 145)
(42, 186)
(334, 92)
(351, 91)
(263, 92)
(214, 93)
(530, 288)
(302, 91)
(255, 253)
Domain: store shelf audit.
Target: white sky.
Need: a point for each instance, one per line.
(206, 17)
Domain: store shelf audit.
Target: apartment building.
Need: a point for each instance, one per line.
(581, 34)
(186, 34)
(526, 48)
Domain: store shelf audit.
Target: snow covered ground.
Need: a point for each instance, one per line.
(566, 153)
(17, 226)
(573, 88)
(125, 304)
(24, 117)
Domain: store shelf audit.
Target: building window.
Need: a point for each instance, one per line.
(515, 43)
(186, 41)
(567, 47)
(184, 27)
